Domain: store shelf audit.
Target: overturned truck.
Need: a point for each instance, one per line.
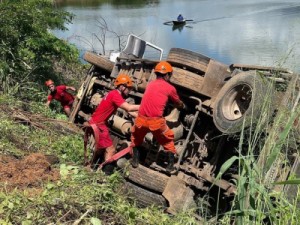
(222, 101)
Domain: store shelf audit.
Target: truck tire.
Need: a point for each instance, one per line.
(99, 61)
(143, 197)
(192, 61)
(243, 97)
(186, 79)
(148, 178)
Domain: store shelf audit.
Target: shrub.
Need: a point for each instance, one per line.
(28, 49)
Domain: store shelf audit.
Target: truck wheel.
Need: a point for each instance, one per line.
(144, 197)
(247, 97)
(192, 61)
(186, 79)
(148, 178)
(99, 61)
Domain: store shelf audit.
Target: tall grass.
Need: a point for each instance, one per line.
(267, 158)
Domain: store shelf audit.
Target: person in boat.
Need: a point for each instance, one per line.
(179, 17)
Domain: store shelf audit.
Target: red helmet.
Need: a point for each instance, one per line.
(163, 67)
(123, 79)
(49, 82)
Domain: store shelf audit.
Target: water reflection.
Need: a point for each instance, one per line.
(232, 31)
(178, 27)
(175, 27)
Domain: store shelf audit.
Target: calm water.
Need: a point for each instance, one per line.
(231, 31)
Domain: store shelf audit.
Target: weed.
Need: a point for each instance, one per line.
(267, 159)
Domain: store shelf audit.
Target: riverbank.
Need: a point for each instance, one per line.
(43, 180)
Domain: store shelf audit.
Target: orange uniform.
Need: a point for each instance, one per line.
(150, 118)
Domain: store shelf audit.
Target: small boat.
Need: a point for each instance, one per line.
(176, 22)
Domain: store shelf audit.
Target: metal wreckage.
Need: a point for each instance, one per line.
(223, 102)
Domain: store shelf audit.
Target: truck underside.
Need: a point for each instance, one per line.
(223, 102)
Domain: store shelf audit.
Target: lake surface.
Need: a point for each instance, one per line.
(231, 31)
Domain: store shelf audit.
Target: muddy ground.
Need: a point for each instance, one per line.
(30, 172)
(34, 169)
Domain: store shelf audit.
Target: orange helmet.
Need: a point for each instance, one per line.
(123, 79)
(163, 67)
(49, 82)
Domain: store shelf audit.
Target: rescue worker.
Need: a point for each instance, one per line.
(107, 107)
(150, 116)
(60, 94)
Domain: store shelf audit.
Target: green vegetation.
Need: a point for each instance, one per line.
(92, 198)
(80, 195)
(30, 55)
(83, 197)
(262, 160)
(28, 50)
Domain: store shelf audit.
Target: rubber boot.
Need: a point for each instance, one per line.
(135, 157)
(96, 160)
(171, 159)
(108, 169)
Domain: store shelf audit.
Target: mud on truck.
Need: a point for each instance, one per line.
(223, 101)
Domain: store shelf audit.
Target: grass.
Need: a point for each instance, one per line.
(84, 197)
(80, 196)
(266, 157)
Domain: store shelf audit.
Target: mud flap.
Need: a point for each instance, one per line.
(179, 196)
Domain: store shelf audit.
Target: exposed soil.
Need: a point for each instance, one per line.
(29, 172)
(35, 169)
